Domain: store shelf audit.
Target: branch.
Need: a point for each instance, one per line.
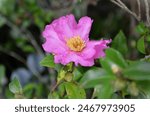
(139, 9)
(147, 12)
(124, 7)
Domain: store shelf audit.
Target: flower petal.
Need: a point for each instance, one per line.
(72, 57)
(84, 27)
(87, 52)
(65, 26)
(99, 47)
(52, 41)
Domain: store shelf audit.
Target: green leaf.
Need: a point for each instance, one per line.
(107, 64)
(2, 73)
(53, 95)
(15, 86)
(141, 45)
(8, 93)
(148, 38)
(138, 71)
(116, 57)
(74, 91)
(144, 87)
(76, 74)
(141, 29)
(113, 58)
(29, 90)
(61, 90)
(104, 91)
(120, 43)
(48, 61)
(94, 77)
(2, 21)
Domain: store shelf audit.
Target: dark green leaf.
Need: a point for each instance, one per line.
(2, 73)
(120, 43)
(148, 38)
(61, 90)
(140, 28)
(29, 90)
(15, 86)
(141, 45)
(144, 87)
(138, 71)
(8, 93)
(94, 77)
(76, 74)
(74, 91)
(48, 61)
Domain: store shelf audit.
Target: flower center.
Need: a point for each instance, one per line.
(76, 43)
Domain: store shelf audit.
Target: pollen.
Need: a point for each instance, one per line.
(76, 44)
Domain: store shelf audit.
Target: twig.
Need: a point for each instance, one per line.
(123, 6)
(147, 12)
(139, 9)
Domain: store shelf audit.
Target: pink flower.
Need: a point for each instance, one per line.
(69, 41)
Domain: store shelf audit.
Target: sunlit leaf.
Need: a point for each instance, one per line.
(48, 61)
(120, 43)
(94, 77)
(15, 86)
(140, 28)
(141, 45)
(104, 90)
(74, 91)
(53, 95)
(138, 71)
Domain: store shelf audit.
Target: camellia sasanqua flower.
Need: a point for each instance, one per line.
(69, 41)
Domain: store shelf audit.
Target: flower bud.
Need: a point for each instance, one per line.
(132, 89)
(119, 84)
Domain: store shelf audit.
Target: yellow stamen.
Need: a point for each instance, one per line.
(76, 43)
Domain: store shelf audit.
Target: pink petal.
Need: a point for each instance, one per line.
(88, 52)
(99, 47)
(72, 57)
(53, 43)
(84, 27)
(65, 26)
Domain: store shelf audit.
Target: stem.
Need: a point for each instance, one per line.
(56, 85)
